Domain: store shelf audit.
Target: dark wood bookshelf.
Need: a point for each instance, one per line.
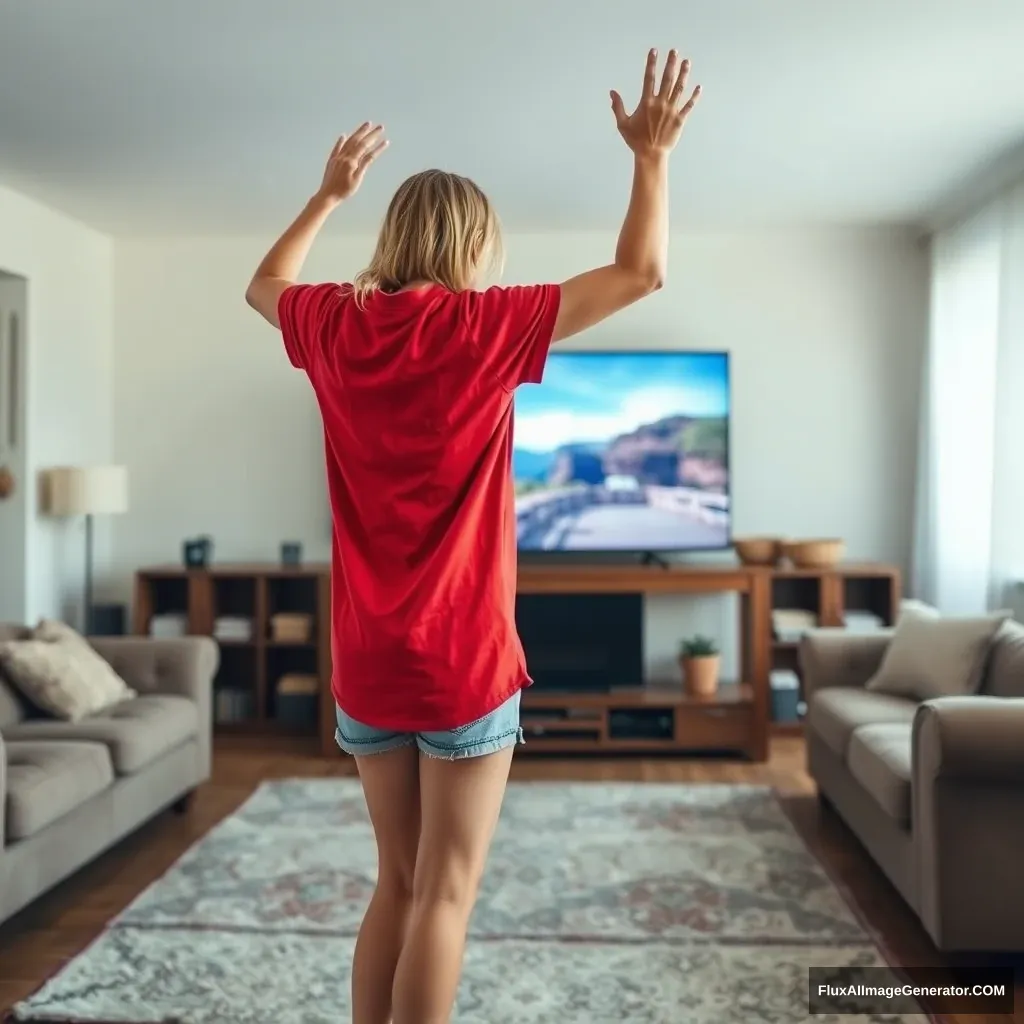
(828, 594)
(250, 668)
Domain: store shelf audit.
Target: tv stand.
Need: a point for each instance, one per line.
(632, 718)
(653, 558)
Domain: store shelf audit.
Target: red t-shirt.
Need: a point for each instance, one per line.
(416, 393)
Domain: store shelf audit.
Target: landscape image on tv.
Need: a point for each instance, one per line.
(620, 451)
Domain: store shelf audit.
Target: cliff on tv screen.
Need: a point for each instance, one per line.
(624, 452)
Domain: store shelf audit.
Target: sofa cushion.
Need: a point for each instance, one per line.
(46, 780)
(137, 731)
(836, 711)
(1004, 676)
(58, 672)
(879, 758)
(932, 657)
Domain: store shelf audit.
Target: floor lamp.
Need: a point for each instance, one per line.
(88, 491)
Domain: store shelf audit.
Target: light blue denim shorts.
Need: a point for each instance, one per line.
(486, 735)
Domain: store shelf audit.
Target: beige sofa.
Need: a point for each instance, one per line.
(934, 791)
(68, 792)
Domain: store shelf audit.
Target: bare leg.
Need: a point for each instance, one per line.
(392, 790)
(459, 805)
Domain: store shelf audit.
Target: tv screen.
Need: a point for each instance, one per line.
(624, 451)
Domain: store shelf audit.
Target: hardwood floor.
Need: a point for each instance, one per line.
(34, 944)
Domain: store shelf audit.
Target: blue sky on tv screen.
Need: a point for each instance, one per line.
(592, 397)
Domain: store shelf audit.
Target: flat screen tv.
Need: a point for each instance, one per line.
(624, 451)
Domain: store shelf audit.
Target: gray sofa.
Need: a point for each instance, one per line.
(933, 790)
(69, 791)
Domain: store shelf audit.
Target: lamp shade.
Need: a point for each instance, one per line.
(87, 490)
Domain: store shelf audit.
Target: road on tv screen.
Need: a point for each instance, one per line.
(629, 527)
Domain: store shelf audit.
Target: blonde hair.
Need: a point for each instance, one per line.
(440, 227)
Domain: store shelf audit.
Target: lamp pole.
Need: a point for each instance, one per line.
(87, 609)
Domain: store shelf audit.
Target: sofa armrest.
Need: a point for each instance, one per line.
(968, 821)
(835, 657)
(977, 739)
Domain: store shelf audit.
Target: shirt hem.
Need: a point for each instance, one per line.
(407, 725)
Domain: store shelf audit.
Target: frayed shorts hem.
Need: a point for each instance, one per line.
(496, 731)
(367, 748)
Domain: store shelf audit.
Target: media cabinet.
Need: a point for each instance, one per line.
(626, 716)
(735, 720)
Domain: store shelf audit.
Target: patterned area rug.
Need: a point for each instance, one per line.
(638, 903)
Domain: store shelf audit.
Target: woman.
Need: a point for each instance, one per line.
(414, 370)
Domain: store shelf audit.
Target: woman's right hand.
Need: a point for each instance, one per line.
(349, 160)
(654, 128)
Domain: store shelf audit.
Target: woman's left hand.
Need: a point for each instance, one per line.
(349, 160)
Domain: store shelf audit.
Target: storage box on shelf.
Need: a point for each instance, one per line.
(272, 623)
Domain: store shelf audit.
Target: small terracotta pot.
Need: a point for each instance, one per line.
(700, 675)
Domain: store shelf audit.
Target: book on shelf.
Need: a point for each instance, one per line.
(233, 628)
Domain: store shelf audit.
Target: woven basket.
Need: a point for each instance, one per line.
(758, 550)
(815, 554)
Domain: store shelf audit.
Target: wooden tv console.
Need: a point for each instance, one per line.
(736, 719)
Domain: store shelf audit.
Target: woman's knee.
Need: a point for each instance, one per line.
(454, 882)
(397, 879)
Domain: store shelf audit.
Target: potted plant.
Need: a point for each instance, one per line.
(699, 659)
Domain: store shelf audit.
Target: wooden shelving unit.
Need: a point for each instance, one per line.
(629, 719)
(250, 668)
(828, 594)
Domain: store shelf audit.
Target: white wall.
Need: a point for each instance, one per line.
(13, 454)
(69, 349)
(222, 437)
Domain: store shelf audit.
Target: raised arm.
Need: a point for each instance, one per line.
(346, 166)
(641, 257)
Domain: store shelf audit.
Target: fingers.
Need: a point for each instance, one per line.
(690, 104)
(618, 109)
(668, 78)
(372, 153)
(361, 132)
(649, 72)
(680, 82)
(338, 146)
(364, 138)
(371, 140)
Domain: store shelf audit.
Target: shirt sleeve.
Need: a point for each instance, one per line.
(303, 311)
(513, 328)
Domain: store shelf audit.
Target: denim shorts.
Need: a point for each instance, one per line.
(493, 732)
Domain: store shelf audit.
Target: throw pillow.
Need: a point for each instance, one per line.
(58, 672)
(1005, 674)
(910, 606)
(931, 657)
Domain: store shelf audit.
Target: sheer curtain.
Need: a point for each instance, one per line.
(969, 532)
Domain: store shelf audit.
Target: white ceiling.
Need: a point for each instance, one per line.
(214, 116)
